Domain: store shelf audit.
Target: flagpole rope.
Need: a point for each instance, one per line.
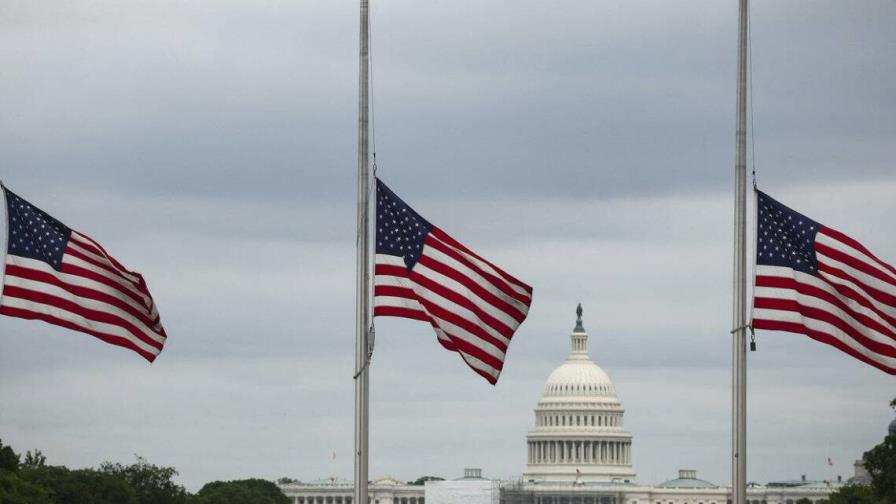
(755, 252)
(750, 101)
(4, 236)
(370, 338)
(745, 326)
(755, 175)
(372, 94)
(372, 188)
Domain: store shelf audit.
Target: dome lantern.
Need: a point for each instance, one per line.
(579, 338)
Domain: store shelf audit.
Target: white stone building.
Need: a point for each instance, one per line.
(578, 453)
(336, 491)
(578, 434)
(471, 489)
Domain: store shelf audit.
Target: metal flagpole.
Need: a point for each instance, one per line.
(739, 343)
(362, 309)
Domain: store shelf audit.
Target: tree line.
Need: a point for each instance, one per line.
(30, 480)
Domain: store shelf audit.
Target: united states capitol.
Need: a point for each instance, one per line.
(579, 452)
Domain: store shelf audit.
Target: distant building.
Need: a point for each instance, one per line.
(578, 453)
(336, 491)
(471, 489)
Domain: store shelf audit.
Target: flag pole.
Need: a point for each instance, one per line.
(739, 332)
(362, 297)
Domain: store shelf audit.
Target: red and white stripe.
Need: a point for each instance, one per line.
(850, 305)
(92, 293)
(473, 306)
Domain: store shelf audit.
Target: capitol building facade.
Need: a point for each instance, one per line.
(578, 452)
(579, 433)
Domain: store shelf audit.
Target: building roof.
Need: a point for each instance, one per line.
(328, 482)
(472, 474)
(688, 483)
(815, 485)
(804, 484)
(687, 478)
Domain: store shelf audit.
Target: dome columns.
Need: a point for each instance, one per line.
(580, 452)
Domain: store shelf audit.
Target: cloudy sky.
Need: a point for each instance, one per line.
(587, 147)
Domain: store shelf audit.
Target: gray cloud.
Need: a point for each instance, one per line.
(585, 148)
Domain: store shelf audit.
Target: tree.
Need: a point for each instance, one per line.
(249, 491)
(14, 490)
(853, 494)
(423, 479)
(65, 486)
(880, 462)
(152, 484)
(34, 460)
(804, 501)
(9, 460)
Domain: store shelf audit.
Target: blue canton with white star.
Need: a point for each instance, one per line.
(400, 231)
(33, 233)
(785, 237)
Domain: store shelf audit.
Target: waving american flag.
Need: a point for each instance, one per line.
(817, 281)
(63, 277)
(422, 273)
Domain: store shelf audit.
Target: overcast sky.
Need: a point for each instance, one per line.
(586, 147)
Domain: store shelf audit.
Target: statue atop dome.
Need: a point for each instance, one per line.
(579, 327)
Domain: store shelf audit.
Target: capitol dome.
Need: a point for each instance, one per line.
(579, 378)
(578, 433)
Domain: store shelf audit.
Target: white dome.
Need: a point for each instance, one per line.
(579, 378)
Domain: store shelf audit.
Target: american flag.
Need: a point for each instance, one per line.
(813, 280)
(422, 273)
(58, 275)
